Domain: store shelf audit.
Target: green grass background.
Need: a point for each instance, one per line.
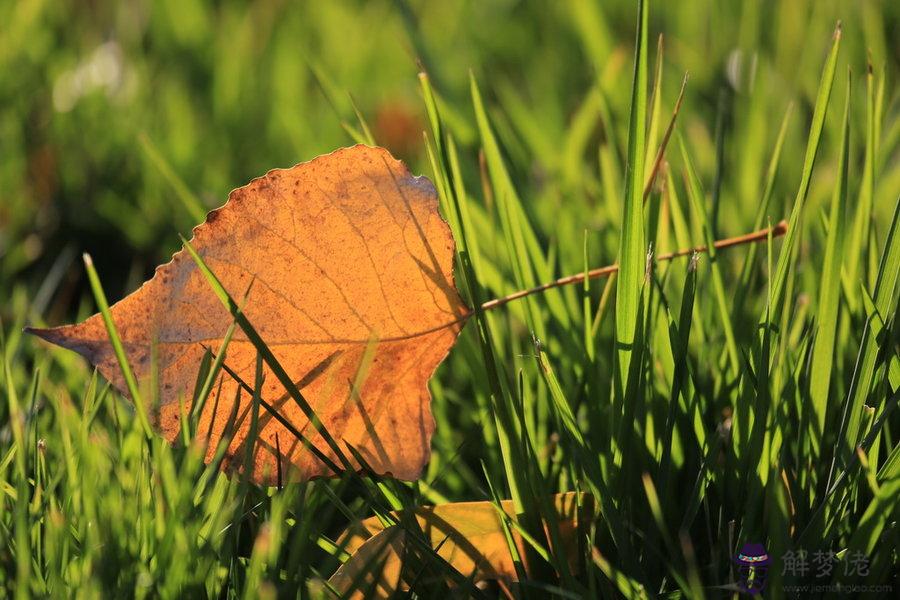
(122, 123)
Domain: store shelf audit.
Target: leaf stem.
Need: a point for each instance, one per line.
(748, 238)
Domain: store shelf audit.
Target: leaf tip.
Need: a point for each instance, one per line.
(48, 334)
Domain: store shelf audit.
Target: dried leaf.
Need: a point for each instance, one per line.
(467, 535)
(352, 289)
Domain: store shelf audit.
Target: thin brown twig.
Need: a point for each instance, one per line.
(776, 231)
(648, 187)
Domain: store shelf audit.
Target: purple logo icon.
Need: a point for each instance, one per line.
(752, 565)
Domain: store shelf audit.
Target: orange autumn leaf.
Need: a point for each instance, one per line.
(467, 535)
(349, 270)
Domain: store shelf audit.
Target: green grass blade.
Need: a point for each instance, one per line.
(823, 351)
(858, 242)
(779, 280)
(115, 340)
(632, 249)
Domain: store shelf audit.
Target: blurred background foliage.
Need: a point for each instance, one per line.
(98, 99)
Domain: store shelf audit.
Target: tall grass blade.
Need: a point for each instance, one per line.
(823, 351)
(632, 249)
(116, 341)
(780, 278)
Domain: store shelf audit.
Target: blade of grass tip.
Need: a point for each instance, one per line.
(189, 200)
(631, 247)
(823, 351)
(367, 136)
(454, 120)
(815, 133)
(859, 233)
(264, 350)
(331, 91)
(118, 349)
